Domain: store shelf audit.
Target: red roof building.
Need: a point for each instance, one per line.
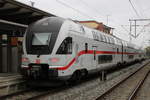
(98, 26)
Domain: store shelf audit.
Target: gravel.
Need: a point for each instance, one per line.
(123, 91)
(144, 91)
(92, 89)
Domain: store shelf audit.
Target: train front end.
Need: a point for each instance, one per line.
(39, 42)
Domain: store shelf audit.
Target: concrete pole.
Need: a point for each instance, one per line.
(9, 54)
(130, 32)
(1, 53)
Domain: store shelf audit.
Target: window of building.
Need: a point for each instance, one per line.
(65, 47)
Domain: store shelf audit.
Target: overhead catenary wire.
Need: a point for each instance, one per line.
(78, 11)
(143, 29)
(93, 8)
(140, 8)
(86, 15)
(134, 8)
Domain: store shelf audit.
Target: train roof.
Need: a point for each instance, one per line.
(48, 21)
(118, 40)
(83, 30)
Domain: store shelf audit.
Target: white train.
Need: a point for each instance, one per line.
(57, 48)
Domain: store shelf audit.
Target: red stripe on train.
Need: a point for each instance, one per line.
(91, 52)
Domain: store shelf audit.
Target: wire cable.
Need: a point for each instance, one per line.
(94, 9)
(78, 11)
(134, 8)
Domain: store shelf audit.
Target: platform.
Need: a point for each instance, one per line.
(11, 82)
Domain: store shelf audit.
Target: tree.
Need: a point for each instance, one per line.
(147, 49)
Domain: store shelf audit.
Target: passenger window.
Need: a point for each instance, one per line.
(104, 39)
(104, 59)
(130, 56)
(100, 37)
(109, 41)
(65, 47)
(113, 41)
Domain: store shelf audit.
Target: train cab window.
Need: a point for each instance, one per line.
(65, 47)
(41, 39)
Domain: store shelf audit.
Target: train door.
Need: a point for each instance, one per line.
(122, 53)
(94, 48)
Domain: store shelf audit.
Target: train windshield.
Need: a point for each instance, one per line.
(41, 39)
(42, 35)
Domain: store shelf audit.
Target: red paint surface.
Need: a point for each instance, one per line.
(92, 52)
(37, 61)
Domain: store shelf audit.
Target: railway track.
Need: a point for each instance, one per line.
(28, 94)
(127, 88)
(34, 94)
(4, 97)
(133, 95)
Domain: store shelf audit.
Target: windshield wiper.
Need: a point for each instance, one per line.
(48, 41)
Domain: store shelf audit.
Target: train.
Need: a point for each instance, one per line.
(61, 49)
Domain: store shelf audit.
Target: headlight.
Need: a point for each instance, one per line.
(25, 61)
(54, 60)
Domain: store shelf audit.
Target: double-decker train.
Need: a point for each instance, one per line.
(61, 49)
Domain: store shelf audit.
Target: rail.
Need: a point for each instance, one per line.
(122, 81)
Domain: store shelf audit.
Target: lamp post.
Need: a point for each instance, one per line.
(32, 3)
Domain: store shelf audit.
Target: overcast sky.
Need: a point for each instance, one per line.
(118, 13)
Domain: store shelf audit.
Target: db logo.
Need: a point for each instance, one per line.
(37, 61)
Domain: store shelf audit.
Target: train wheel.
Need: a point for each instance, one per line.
(124, 64)
(119, 65)
(84, 73)
(76, 77)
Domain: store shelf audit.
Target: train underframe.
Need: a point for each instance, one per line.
(44, 76)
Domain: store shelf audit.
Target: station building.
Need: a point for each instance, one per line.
(14, 19)
(98, 25)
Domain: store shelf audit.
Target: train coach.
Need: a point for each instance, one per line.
(61, 49)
